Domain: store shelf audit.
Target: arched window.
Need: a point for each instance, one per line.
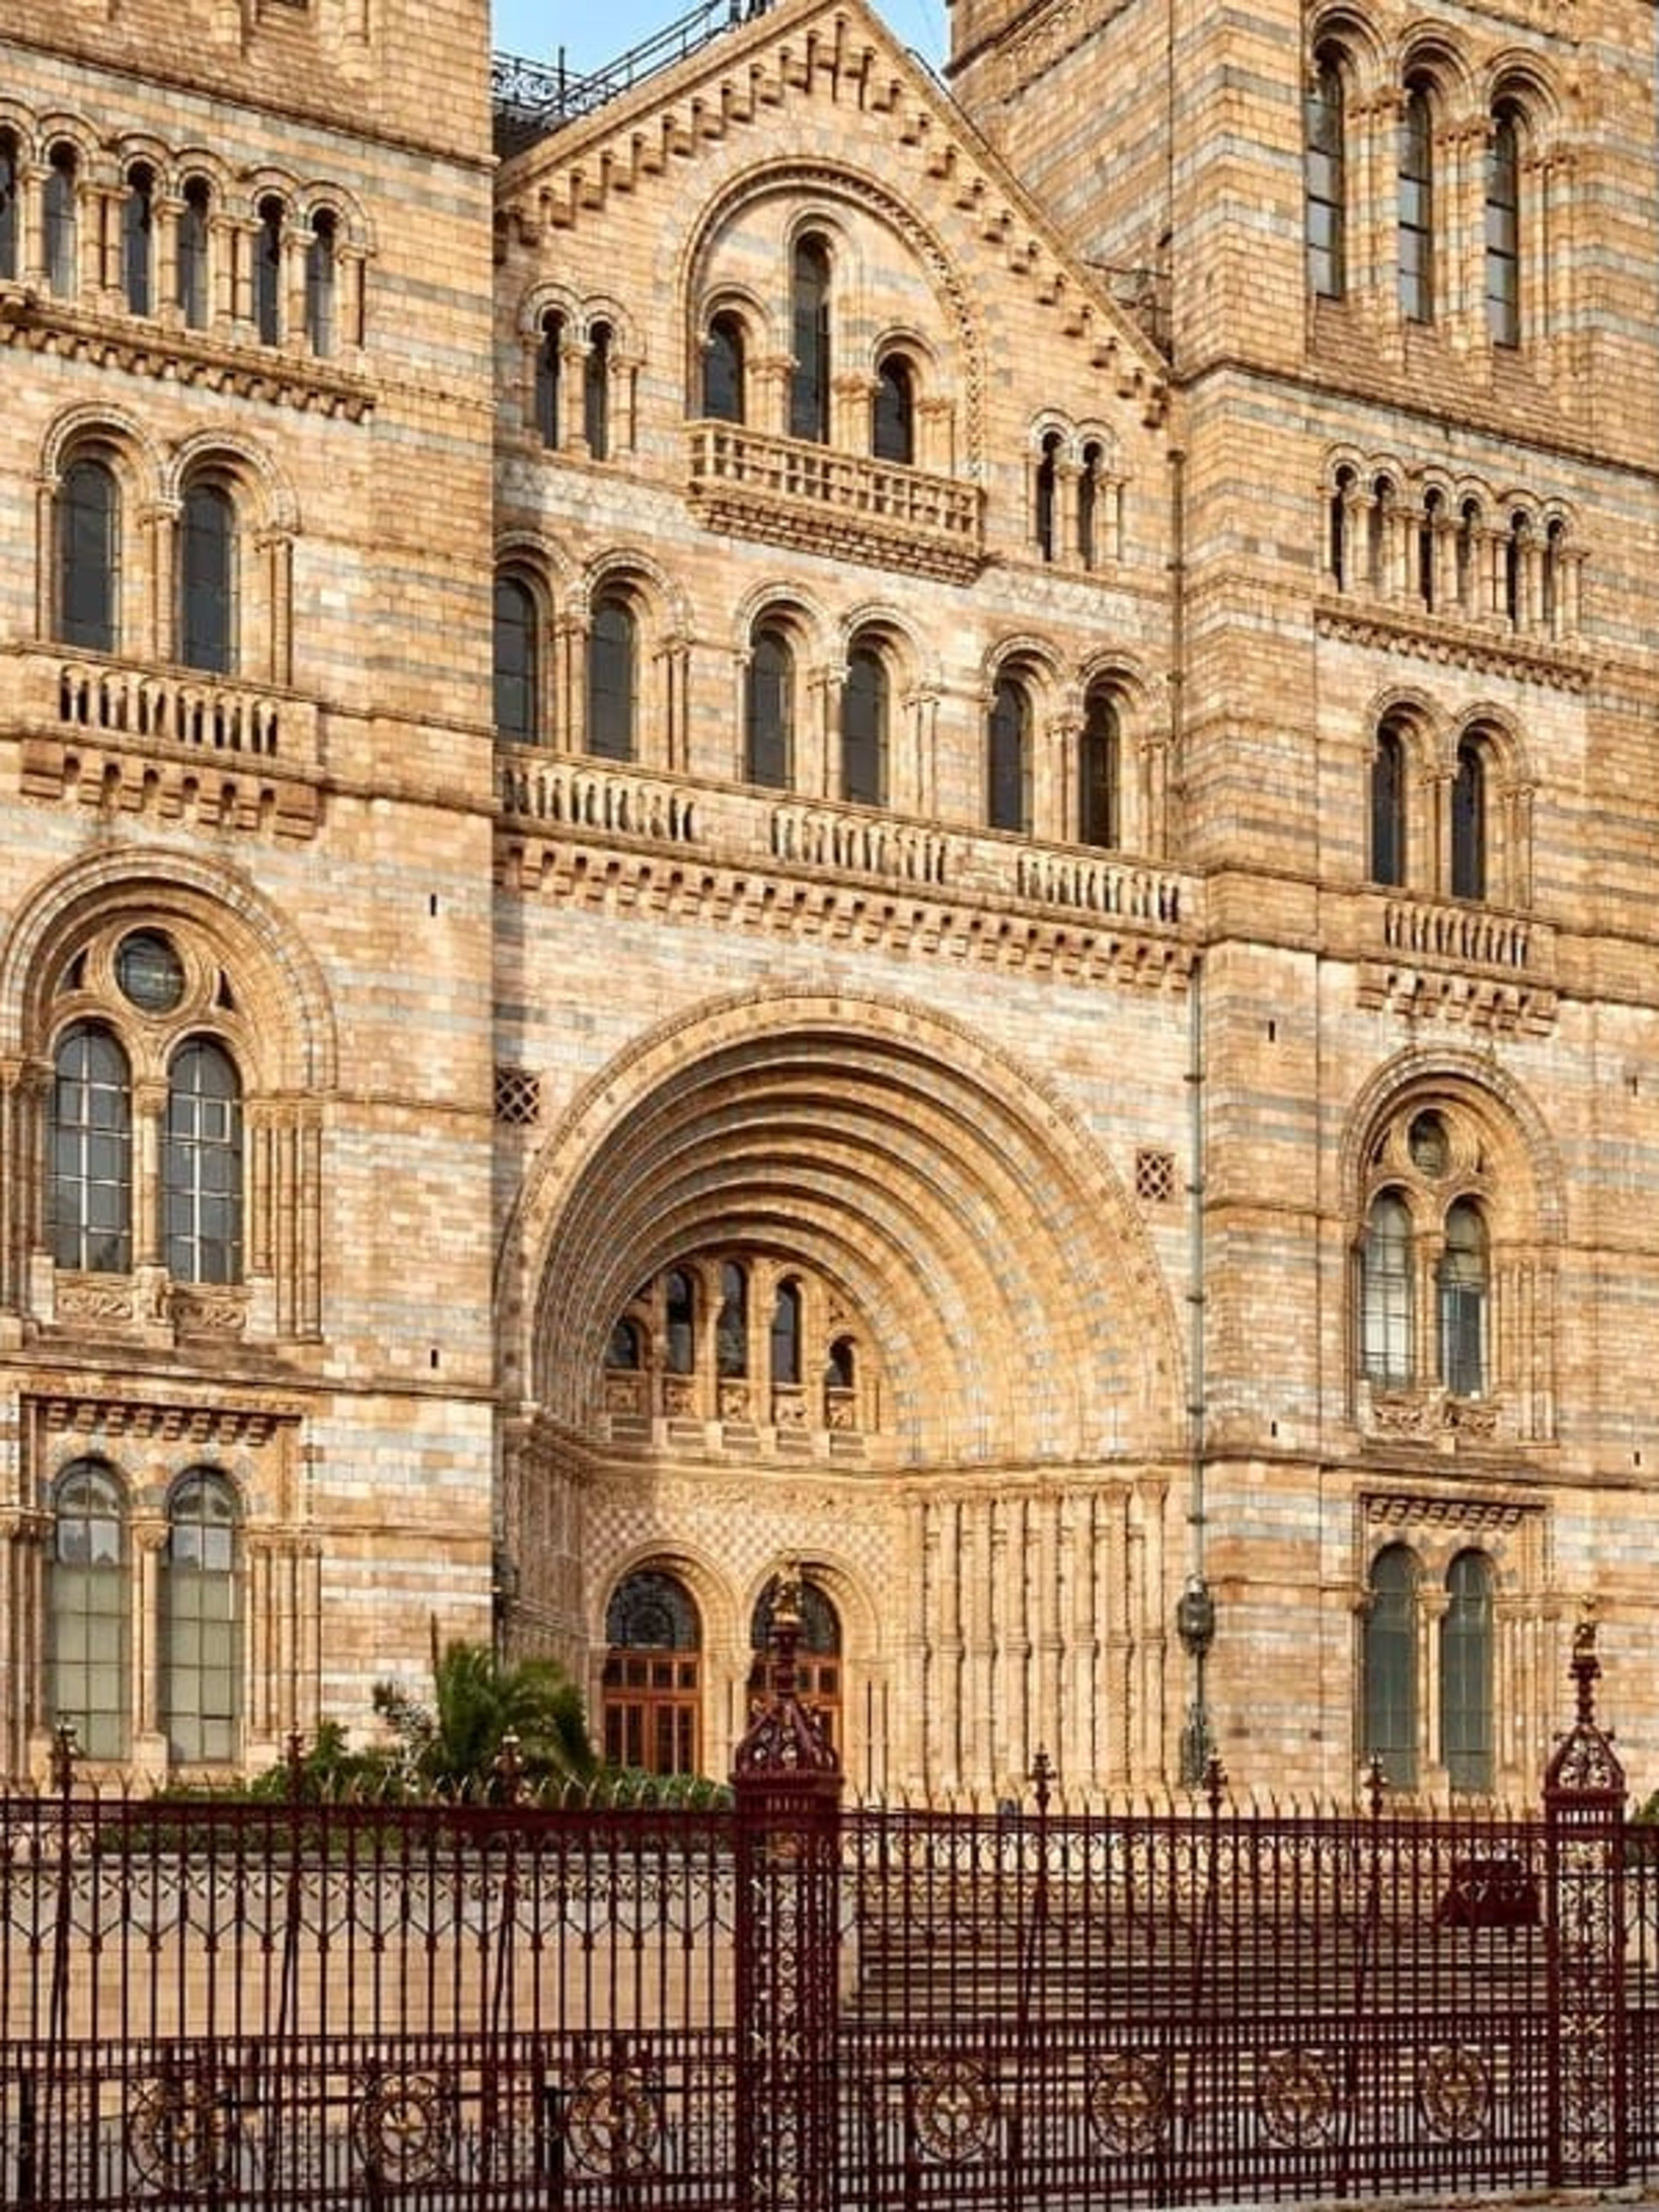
(207, 579)
(1463, 1280)
(1388, 854)
(89, 555)
(1099, 772)
(809, 381)
(786, 1356)
(1379, 535)
(596, 392)
(1045, 494)
(1341, 494)
(612, 697)
(651, 1704)
(1514, 569)
(1416, 204)
(550, 378)
(768, 710)
(87, 1610)
(817, 1655)
(1088, 548)
(732, 1328)
(1468, 559)
(202, 1165)
(517, 685)
(89, 1186)
(1469, 823)
(1326, 180)
(625, 1351)
(724, 371)
(1008, 756)
(1385, 1304)
(1503, 229)
(1466, 1673)
(1390, 1667)
(201, 1623)
(138, 240)
(322, 282)
(680, 1317)
(894, 425)
(1551, 582)
(268, 273)
(9, 224)
(194, 232)
(1428, 544)
(60, 213)
(864, 727)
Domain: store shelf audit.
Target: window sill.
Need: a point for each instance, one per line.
(146, 1306)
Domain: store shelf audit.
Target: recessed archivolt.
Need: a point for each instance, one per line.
(967, 1215)
(1524, 1151)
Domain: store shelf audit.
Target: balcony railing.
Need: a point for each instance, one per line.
(792, 491)
(1469, 936)
(50, 692)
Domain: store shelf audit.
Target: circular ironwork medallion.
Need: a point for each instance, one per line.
(178, 2136)
(1454, 2090)
(612, 2122)
(1129, 2101)
(955, 2109)
(401, 2127)
(1296, 2099)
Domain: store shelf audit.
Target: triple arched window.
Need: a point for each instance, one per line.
(1401, 1613)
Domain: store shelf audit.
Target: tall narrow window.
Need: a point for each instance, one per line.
(1466, 1675)
(517, 689)
(1385, 1303)
(1416, 203)
(809, 382)
(1463, 1287)
(1387, 856)
(768, 711)
(138, 241)
(895, 419)
(680, 1318)
(785, 1358)
(195, 294)
(1428, 547)
(1516, 547)
(1326, 180)
(207, 579)
(1469, 824)
(1380, 536)
(9, 225)
(88, 557)
(1088, 548)
(549, 379)
(1470, 597)
(1099, 772)
(732, 1326)
(1503, 229)
(1550, 582)
(864, 715)
(724, 371)
(202, 1165)
(596, 392)
(88, 1633)
(90, 1192)
(1008, 756)
(1341, 496)
(1390, 1667)
(61, 216)
(1045, 492)
(268, 246)
(201, 1624)
(322, 282)
(612, 655)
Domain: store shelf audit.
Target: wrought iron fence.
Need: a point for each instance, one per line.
(774, 2001)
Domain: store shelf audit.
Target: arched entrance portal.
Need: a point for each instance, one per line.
(651, 1710)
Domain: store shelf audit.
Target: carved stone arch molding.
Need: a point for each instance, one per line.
(277, 1009)
(966, 1209)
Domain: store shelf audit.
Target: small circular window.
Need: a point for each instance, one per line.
(1429, 1146)
(149, 971)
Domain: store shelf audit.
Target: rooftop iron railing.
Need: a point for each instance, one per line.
(532, 99)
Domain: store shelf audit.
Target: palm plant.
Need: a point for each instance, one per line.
(459, 1744)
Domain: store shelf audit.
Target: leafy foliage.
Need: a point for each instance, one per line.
(488, 1723)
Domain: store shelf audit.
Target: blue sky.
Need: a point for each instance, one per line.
(590, 35)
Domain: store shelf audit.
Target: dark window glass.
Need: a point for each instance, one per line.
(1389, 809)
(1466, 1673)
(1045, 492)
(1514, 569)
(895, 422)
(1339, 519)
(786, 1335)
(194, 232)
(1385, 1322)
(841, 1369)
(322, 282)
(596, 392)
(1554, 560)
(516, 684)
(268, 273)
(724, 398)
(87, 1611)
(624, 1350)
(680, 1316)
(651, 1700)
(809, 382)
(550, 379)
(863, 712)
(10, 227)
(89, 541)
(202, 1166)
(1428, 537)
(611, 654)
(201, 1626)
(207, 609)
(1098, 773)
(1008, 756)
(1390, 1667)
(60, 211)
(1416, 188)
(1468, 824)
(89, 1186)
(1326, 182)
(138, 241)
(1463, 1287)
(1504, 230)
(768, 711)
(732, 1328)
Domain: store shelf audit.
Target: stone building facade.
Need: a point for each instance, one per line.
(781, 824)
